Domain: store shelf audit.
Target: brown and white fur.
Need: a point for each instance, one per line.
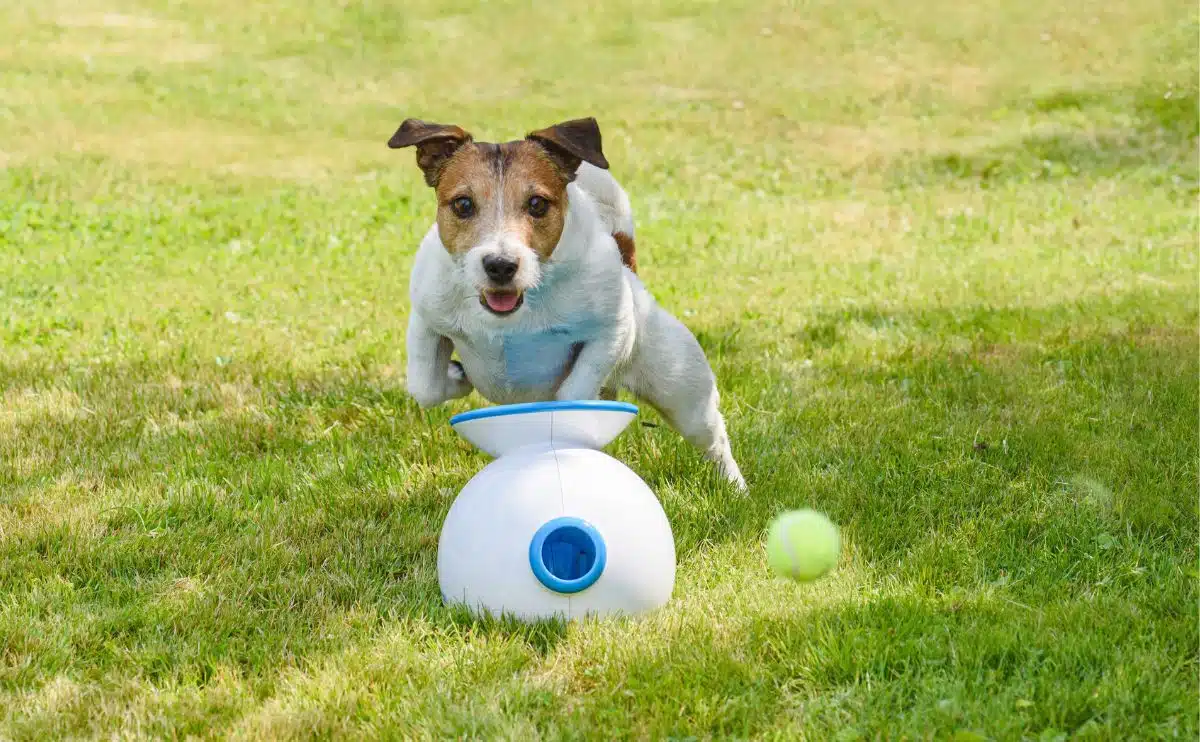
(529, 274)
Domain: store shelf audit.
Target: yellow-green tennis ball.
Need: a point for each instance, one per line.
(802, 545)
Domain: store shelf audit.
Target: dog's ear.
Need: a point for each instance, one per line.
(435, 144)
(571, 143)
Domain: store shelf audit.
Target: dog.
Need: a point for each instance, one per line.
(529, 274)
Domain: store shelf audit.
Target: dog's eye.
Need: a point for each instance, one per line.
(537, 206)
(463, 207)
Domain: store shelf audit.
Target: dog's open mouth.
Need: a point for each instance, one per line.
(502, 302)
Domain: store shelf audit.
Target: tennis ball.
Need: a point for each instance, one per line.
(802, 545)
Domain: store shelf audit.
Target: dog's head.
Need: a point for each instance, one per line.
(501, 207)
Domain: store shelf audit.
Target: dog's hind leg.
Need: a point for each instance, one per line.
(703, 427)
(670, 372)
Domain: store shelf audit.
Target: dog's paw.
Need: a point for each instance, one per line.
(431, 391)
(425, 397)
(453, 385)
(573, 391)
(739, 485)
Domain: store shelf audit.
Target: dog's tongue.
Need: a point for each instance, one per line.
(501, 302)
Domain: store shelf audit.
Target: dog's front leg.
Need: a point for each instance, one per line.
(595, 364)
(432, 377)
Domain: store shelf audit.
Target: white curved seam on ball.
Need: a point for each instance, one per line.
(791, 550)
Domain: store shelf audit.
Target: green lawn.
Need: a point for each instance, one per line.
(943, 257)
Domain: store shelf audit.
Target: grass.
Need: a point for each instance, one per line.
(942, 256)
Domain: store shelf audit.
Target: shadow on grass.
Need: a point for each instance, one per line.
(540, 636)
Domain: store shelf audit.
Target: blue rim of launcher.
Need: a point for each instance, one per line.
(527, 407)
(586, 423)
(567, 555)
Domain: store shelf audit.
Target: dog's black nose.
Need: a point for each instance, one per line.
(500, 270)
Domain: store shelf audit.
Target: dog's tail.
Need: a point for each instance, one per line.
(612, 205)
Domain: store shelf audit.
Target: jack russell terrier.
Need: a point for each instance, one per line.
(529, 274)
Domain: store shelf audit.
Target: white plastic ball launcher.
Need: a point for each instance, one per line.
(554, 527)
